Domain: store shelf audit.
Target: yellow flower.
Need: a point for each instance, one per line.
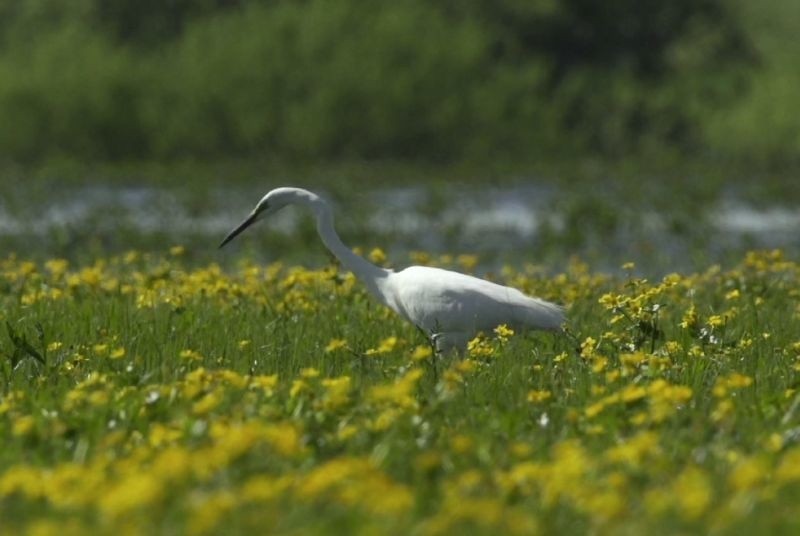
(596, 408)
(519, 449)
(232, 378)
(207, 403)
(722, 410)
(177, 251)
(23, 425)
(134, 491)
(130, 257)
(503, 332)
(748, 473)
(634, 451)
(286, 439)
(599, 363)
(335, 344)
(209, 510)
(690, 318)
(788, 469)
(117, 353)
(162, 435)
(264, 488)
(384, 420)
(466, 366)
(421, 352)
(57, 267)
(420, 257)
(266, 383)
(536, 396)
(346, 432)
(298, 387)
(774, 442)
(588, 347)
(99, 398)
(377, 256)
(612, 301)
(692, 491)
(337, 392)
(354, 482)
(467, 262)
(480, 347)
(631, 362)
(386, 346)
(461, 444)
(244, 343)
(400, 392)
(734, 380)
(632, 393)
(191, 356)
(309, 372)
(696, 351)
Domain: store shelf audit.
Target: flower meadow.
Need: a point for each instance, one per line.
(143, 394)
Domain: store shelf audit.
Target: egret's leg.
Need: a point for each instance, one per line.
(448, 342)
(445, 343)
(573, 339)
(431, 338)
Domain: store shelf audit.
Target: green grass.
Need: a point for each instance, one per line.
(140, 394)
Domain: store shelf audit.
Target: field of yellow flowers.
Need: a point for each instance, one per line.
(142, 395)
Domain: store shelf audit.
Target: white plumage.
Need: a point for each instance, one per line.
(450, 307)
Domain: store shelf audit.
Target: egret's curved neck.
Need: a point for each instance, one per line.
(374, 277)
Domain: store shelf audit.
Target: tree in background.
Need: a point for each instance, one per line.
(315, 79)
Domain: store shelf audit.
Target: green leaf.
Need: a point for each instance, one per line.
(22, 347)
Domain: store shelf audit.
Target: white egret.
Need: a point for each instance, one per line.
(449, 307)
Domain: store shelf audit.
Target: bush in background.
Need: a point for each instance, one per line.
(313, 79)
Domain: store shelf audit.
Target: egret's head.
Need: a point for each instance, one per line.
(269, 204)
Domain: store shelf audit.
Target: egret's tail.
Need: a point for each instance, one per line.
(541, 314)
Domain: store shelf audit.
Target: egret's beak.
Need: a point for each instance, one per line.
(242, 226)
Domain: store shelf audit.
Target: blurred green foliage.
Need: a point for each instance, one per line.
(315, 79)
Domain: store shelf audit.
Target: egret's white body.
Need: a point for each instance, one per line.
(450, 307)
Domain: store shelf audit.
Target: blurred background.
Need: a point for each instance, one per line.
(663, 132)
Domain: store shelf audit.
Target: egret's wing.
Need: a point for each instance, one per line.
(437, 299)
